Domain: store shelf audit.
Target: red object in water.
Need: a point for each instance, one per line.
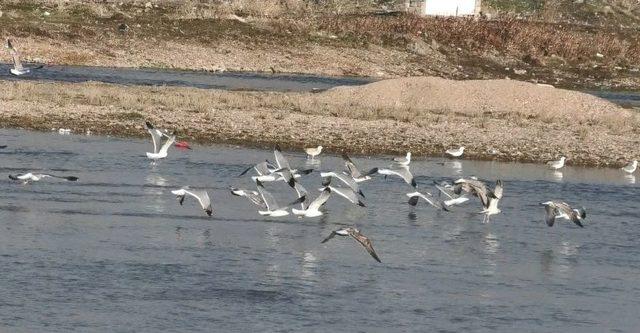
(182, 144)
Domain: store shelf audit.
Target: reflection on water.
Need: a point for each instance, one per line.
(128, 244)
(558, 175)
(631, 179)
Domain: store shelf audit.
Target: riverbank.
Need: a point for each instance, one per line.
(522, 121)
(325, 41)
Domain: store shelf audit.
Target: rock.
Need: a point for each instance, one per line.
(148, 5)
(520, 71)
(1, 13)
(599, 55)
(46, 14)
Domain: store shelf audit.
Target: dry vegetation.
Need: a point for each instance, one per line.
(524, 122)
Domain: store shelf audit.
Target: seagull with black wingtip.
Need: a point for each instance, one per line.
(201, 195)
(359, 237)
(559, 209)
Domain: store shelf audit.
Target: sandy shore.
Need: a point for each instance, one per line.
(523, 121)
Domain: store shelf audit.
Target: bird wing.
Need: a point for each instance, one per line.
(281, 161)
(353, 169)
(349, 195)
(268, 199)
(563, 207)
(321, 199)
(202, 196)
(333, 234)
(156, 136)
(366, 242)
(426, 198)
(349, 181)
(444, 191)
(497, 191)
(17, 64)
(402, 172)
(550, 216)
(262, 168)
(167, 144)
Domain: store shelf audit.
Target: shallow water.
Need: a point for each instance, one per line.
(184, 78)
(115, 252)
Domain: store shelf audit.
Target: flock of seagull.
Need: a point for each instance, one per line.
(342, 183)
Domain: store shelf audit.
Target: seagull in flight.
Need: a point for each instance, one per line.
(558, 209)
(453, 198)
(494, 197)
(159, 152)
(414, 197)
(29, 177)
(360, 238)
(252, 196)
(18, 69)
(403, 161)
(631, 167)
(355, 172)
(346, 193)
(489, 198)
(314, 207)
(273, 209)
(201, 195)
(555, 165)
(455, 152)
(403, 172)
(313, 152)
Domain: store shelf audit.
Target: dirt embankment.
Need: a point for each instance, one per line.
(522, 121)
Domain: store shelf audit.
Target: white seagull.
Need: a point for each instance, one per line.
(314, 207)
(555, 165)
(345, 179)
(492, 207)
(313, 152)
(489, 198)
(346, 193)
(355, 172)
(201, 195)
(159, 152)
(402, 172)
(27, 177)
(253, 196)
(453, 199)
(18, 69)
(414, 197)
(631, 167)
(456, 152)
(558, 209)
(273, 209)
(404, 161)
(360, 238)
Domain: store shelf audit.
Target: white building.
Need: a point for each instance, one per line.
(444, 7)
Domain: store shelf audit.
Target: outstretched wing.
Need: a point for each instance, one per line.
(281, 161)
(203, 198)
(268, 199)
(167, 144)
(348, 194)
(333, 234)
(321, 199)
(572, 214)
(353, 170)
(366, 242)
(550, 216)
(17, 64)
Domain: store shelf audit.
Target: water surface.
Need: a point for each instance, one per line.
(115, 252)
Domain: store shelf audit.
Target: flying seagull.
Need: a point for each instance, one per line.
(283, 163)
(201, 195)
(404, 161)
(252, 196)
(631, 167)
(414, 197)
(489, 198)
(314, 207)
(456, 152)
(453, 198)
(355, 172)
(346, 193)
(494, 197)
(313, 152)
(558, 209)
(345, 179)
(555, 165)
(290, 179)
(273, 209)
(18, 69)
(402, 172)
(27, 177)
(355, 234)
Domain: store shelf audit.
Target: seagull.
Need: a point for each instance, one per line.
(345, 179)
(453, 199)
(253, 196)
(456, 152)
(557, 209)
(156, 136)
(283, 163)
(201, 195)
(415, 196)
(290, 179)
(27, 177)
(355, 172)
(555, 165)
(404, 161)
(314, 207)
(313, 152)
(346, 193)
(492, 207)
(273, 209)
(355, 234)
(631, 167)
(403, 172)
(18, 69)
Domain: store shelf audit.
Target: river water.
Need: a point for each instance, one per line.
(115, 252)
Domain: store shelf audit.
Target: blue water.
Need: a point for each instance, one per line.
(115, 252)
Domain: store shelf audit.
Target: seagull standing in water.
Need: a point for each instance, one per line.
(456, 152)
(201, 195)
(360, 238)
(403, 161)
(18, 69)
(555, 165)
(31, 177)
(313, 152)
(631, 167)
(558, 209)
